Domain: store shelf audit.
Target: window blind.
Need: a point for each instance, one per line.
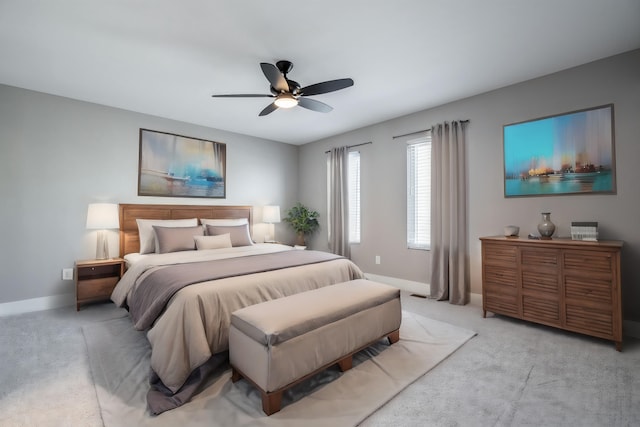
(354, 197)
(419, 193)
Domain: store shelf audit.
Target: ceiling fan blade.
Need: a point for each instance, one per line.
(312, 104)
(326, 87)
(244, 95)
(275, 77)
(268, 109)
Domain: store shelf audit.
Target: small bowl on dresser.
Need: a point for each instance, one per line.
(511, 231)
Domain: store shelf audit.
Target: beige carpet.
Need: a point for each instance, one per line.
(119, 360)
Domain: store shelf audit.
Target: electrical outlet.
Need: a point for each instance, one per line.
(377, 259)
(67, 274)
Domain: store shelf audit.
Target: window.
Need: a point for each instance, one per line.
(354, 197)
(419, 193)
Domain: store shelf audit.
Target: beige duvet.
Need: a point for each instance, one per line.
(195, 323)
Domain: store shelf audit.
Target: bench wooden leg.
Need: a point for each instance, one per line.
(346, 363)
(271, 402)
(235, 375)
(394, 336)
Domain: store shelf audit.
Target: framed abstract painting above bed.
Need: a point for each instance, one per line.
(183, 297)
(179, 166)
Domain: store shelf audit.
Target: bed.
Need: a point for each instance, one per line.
(188, 326)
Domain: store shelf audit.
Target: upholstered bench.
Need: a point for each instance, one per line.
(279, 343)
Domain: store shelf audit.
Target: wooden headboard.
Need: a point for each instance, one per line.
(129, 238)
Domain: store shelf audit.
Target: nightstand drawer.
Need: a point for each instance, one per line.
(98, 271)
(96, 288)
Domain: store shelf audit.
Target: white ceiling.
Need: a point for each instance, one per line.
(167, 57)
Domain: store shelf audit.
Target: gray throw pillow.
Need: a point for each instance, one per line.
(239, 233)
(174, 239)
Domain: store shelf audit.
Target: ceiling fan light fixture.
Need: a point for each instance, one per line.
(288, 93)
(286, 100)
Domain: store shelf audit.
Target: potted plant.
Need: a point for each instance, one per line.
(303, 221)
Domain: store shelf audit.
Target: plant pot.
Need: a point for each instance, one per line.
(300, 239)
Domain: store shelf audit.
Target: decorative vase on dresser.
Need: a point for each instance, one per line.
(546, 228)
(568, 284)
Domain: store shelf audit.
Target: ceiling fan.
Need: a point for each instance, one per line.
(288, 93)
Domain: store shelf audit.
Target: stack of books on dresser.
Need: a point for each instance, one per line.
(584, 231)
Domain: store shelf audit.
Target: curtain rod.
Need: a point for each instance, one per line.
(351, 146)
(420, 131)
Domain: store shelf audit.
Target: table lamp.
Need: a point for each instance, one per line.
(270, 215)
(101, 217)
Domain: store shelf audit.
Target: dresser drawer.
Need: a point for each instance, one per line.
(541, 310)
(500, 276)
(535, 281)
(500, 255)
(588, 263)
(592, 289)
(537, 259)
(501, 303)
(591, 321)
(499, 290)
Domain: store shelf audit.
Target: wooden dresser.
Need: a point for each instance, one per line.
(572, 285)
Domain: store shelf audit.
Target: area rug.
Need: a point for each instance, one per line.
(119, 360)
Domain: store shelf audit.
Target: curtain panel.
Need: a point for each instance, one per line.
(339, 201)
(449, 252)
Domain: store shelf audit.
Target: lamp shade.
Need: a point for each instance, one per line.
(102, 216)
(271, 214)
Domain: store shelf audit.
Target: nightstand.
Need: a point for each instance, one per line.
(95, 279)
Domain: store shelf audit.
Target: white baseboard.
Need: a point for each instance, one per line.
(475, 299)
(37, 304)
(417, 288)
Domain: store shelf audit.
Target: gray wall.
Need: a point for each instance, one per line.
(57, 155)
(383, 186)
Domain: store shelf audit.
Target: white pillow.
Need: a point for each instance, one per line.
(213, 242)
(148, 236)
